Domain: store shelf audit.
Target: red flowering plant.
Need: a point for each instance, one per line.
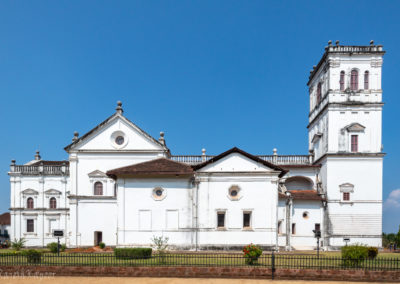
(251, 254)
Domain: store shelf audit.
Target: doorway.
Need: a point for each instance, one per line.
(98, 238)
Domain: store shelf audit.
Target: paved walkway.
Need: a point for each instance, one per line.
(131, 280)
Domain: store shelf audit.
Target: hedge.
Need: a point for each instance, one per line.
(33, 256)
(132, 253)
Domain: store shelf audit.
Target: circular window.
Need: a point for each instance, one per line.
(234, 192)
(305, 215)
(119, 140)
(158, 193)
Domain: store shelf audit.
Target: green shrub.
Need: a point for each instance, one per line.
(33, 256)
(53, 247)
(354, 255)
(63, 247)
(251, 253)
(132, 253)
(18, 244)
(102, 245)
(372, 252)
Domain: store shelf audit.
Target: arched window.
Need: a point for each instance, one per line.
(29, 203)
(53, 203)
(366, 80)
(354, 80)
(341, 81)
(319, 93)
(299, 183)
(98, 188)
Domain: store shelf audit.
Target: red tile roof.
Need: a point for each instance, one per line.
(160, 166)
(303, 195)
(5, 219)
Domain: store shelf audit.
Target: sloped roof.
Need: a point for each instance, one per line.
(5, 219)
(160, 166)
(83, 137)
(303, 195)
(237, 150)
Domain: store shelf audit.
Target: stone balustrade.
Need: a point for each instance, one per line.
(54, 170)
(275, 159)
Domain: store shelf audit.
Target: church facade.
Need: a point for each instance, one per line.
(122, 187)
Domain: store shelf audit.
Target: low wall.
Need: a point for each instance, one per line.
(203, 272)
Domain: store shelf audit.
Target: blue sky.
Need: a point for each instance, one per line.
(212, 74)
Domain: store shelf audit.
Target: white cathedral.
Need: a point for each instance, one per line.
(122, 187)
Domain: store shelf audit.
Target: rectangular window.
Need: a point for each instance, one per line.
(354, 143)
(279, 227)
(246, 219)
(366, 80)
(293, 228)
(317, 227)
(29, 226)
(221, 219)
(341, 81)
(346, 196)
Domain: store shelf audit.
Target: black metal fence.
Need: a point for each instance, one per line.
(273, 261)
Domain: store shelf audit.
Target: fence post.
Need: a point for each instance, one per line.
(272, 265)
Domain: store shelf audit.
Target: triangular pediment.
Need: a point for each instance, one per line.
(346, 187)
(29, 191)
(97, 173)
(104, 137)
(355, 127)
(237, 160)
(52, 192)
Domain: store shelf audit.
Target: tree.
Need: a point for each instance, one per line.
(161, 245)
(391, 238)
(398, 237)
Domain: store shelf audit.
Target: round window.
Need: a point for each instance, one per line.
(119, 140)
(234, 193)
(159, 192)
(305, 215)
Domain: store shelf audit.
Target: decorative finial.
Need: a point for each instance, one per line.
(37, 156)
(119, 107)
(161, 139)
(314, 67)
(275, 151)
(329, 42)
(76, 134)
(12, 166)
(337, 42)
(371, 42)
(203, 155)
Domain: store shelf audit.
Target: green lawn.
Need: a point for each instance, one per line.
(302, 260)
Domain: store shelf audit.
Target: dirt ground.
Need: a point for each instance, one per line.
(123, 280)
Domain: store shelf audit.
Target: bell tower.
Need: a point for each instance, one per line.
(345, 134)
(346, 100)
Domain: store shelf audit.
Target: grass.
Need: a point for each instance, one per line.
(389, 261)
